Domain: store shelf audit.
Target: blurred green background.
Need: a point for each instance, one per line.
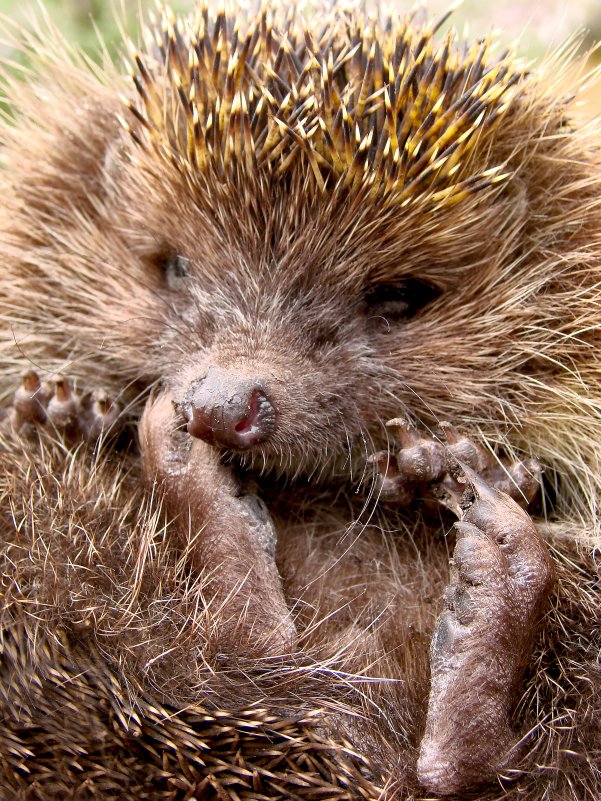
(79, 20)
(540, 24)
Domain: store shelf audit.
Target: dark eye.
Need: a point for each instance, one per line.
(175, 271)
(395, 302)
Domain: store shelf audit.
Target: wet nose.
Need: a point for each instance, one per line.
(228, 410)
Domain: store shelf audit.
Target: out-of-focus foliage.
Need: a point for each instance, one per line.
(538, 23)
(81, 20)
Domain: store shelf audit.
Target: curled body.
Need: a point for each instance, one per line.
(266, 242)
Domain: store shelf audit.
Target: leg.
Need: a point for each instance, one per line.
(228, 537)
(501, 578)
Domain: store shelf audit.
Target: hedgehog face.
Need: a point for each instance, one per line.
(290, 328)
(285, 367)
(249, 396)
(268, 347)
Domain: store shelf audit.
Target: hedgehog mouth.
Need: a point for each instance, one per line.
(258, 425)
(259, 411)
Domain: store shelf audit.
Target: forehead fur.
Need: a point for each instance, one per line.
(379, 108)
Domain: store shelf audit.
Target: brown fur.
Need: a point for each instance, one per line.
(118, 661)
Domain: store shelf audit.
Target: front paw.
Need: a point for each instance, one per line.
(501, 576)
(228, 537)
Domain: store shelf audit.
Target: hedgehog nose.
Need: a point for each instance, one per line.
(226, 410)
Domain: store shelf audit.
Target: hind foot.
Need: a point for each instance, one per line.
(55, 405)
(501, 576)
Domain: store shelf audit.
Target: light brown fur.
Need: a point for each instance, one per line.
(112, 632)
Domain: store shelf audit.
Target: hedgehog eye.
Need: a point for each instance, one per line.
(389, 303)
(175, 271)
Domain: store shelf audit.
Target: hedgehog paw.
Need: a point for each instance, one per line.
(228, 536)
(518, 479)
(501, 576)
(432, 469)
(54, 404)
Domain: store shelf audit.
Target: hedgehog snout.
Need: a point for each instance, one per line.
(228, 410)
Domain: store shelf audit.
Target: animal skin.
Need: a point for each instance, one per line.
(300, 466)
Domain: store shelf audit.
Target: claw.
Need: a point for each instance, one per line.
(30, 381)
(62, 389)
(63, 407)
(407, 434)
(102, 415)
(103, 402)
(29, 401)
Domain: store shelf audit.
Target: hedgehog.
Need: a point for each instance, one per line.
(300, 472)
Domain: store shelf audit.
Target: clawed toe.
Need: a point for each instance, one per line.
(55, 404)
(427, 467)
